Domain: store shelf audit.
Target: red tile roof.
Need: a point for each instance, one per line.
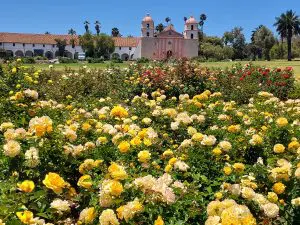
(34, 38)
(126, 41)
(50, 39)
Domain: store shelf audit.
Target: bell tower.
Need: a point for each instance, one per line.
(147, 26)
(191, 29)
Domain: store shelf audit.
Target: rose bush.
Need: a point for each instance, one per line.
(149, 155)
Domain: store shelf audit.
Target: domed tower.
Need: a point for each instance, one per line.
(147, 26)
(191, 29)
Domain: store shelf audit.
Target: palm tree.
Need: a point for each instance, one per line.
(160, 27)
(47, 32)
(86, 26)
(72, 32)
(97, 27)
(203, 17)
(115, 32)
(288, 24)
(168, 19)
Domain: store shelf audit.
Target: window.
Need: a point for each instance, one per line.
(192, 27)
(130, 48)
(44, 46)
(14, 44)
(0, 43)
(33, 45)
(120, 48)
(169, 42)
(170, 33)
(23, 44)
(192, 36)
(148, 25)
(148, 34)
(53, 46)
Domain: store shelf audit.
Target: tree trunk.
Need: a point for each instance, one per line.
(289, 43)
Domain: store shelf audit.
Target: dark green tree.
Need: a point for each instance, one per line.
(287, 25)
(97, 27)
(86, 26)
(168, 20)
(115, 32)
(264, 40)
(61, 45)
(104, 46)
(159, 28)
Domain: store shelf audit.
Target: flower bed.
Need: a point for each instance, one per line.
(156, 158)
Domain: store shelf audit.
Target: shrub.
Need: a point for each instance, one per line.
(95, 60)
(67, 60)
(116, 60)
(142, 60)
(28, 60)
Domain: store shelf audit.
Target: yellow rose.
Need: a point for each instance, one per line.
(124, 147)
(272, 197)
(239, 167)
(86, 127)
(117, 172)
(85, 181)
(87, 215)
(172, 161)
(26, 186)
(54, 182)
(116, 188)
(279, 188)
(294, 145)
(278, 148)
(227, 170)
(217, 151)
(168, 168)
(197, 137)
(135, 141)
(282, 122)
(218, 195)
(25, 217)
(159, 221)
(119, 111)
(144, 156)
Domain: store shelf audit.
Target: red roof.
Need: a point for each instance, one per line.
(50, 39)
(126, 41)
(34, 38)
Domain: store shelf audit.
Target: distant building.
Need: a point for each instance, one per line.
(166, 44)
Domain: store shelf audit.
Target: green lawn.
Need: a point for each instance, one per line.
(271, 64)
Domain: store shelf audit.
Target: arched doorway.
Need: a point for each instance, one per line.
(68, 54)
(115, 56)
(29, 53)
(169, 54)
(125, 57)
(19, 53)
(9, 53)
(49, 55)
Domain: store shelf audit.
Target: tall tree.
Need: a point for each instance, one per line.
(97, 27)
(104, 46)
(72, 32)
(203, 18)
(160, 27)
(86, 26)
(168, 19)
(237, 40)
(264, 40)
(185, 19)
(47, 32)
(61, 45)
(287, 25)
(115, 32)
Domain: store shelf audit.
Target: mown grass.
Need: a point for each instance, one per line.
(278, 63)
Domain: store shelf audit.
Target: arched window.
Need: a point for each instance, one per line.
(192, 36)
(148, 34)
(148, 25)
(192, 27)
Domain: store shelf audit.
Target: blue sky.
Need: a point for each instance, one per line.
(57, 16)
